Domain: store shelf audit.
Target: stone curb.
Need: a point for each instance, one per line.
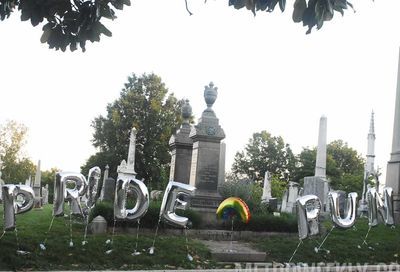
(218, 235)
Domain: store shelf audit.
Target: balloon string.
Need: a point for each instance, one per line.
(186, 237)
(137, 235)
(155, 235)
(47, 233)
(230, 245)
(113, 231)
(366, 236)
(326, 237)
(86, 227)
(16, 237)
(70, 224)
(295, 251)
(4, 232)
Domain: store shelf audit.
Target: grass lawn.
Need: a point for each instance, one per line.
(170, 251)
(342, 245)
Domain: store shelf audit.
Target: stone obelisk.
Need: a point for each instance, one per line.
(320, 163)
(181, 146)
(127, 169)
(266, 195)
(318, 184)
(393, 166)
(37, 186)
(369, 168)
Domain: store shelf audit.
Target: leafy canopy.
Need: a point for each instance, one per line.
(264, 152)
(145, 104)
(69, 23)
(16, 166)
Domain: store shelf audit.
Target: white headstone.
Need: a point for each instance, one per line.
(37, 186)
(266, 188)
(127, 169)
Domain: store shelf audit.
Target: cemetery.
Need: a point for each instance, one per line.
(199, 220)
(287, 161)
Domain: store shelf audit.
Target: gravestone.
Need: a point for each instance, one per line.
(221, 167)
(205, 163)
(289, 197)
(318, 184)
(393, 166)
(126, 170)
(266, 195)
(105, 177)
(37, 187)
(369, 168)
(109, 190)
(45, 195)
(181, 146)
(98, 225)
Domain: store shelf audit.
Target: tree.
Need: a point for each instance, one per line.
(264, 153)
(145, 105)
(344, 166)
(16, 167)
(73, 22)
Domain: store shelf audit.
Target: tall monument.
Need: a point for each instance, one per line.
(318, 184)
(204, 170)
(393, 166)
(369, 168)
(181, 146)
(127, 169)
(320, 163)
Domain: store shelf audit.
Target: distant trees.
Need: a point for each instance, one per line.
(16, 166)
(265, 152)
(145, 104)
(345, 167)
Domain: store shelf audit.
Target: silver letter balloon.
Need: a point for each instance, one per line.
(175, 196)
(93, 191)
(16, 199)
(349, 213)
(385, 207)
(308, 210)
(131, 188)
(63, 193)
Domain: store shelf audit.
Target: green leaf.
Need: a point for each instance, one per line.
(45, 36)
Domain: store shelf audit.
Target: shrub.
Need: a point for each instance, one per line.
(249, 191)
(104, 209)
(149, 220)
(266, 222)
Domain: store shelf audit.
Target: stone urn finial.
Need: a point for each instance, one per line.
(186, 111)
(210, 95)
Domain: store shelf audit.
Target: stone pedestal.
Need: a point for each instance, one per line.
(393, 180)
(181, 146)
(317, 186)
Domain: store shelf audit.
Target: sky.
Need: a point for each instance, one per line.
(270, 75)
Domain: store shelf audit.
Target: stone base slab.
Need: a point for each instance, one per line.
(227, 251)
